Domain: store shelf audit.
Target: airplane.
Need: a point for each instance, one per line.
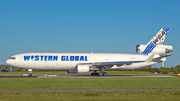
(151, 53)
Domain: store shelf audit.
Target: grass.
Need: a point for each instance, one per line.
(91, 96)
(88, 83)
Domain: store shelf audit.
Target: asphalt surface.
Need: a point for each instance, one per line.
(108, 76)
(83, 76)
(18, 77)
(119, 90)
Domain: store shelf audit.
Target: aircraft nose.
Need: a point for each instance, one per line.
(8, 62)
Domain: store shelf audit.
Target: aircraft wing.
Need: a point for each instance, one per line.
(114, 63)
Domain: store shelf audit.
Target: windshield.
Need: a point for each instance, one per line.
(13, 58)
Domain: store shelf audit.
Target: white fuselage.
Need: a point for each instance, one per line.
(66, 61)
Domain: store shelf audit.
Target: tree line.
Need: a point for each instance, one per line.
(161, 70)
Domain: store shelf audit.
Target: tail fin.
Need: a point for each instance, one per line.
(158, 39)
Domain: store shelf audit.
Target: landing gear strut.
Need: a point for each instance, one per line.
(30, 72)
(102, 73)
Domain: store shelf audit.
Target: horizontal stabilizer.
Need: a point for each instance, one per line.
(158, 58)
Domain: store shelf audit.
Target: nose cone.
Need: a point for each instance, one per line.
(8, 62)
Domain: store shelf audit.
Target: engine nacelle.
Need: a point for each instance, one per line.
(159, 49)
(80, 69)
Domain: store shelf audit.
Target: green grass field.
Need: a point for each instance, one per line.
(88, 83)
(91, 96)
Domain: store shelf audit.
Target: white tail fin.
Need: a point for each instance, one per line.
(158, 39)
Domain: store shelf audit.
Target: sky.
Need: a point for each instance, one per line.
(84, 26)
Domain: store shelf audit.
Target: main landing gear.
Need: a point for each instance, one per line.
(99, 74)
(102, 73)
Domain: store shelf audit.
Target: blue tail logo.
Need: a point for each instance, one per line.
(158, 39)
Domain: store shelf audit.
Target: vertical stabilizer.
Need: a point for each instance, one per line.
(158, 39)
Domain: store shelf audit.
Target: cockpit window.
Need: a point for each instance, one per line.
(13, 58)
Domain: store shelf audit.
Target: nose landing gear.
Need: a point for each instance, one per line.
(30, 72)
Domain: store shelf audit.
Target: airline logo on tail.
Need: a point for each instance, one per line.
(158, 39)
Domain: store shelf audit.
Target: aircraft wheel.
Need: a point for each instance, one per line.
(92, 74)
(104, 74)
(100, 74)
(96, 74)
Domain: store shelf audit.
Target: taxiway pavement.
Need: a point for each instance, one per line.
(82, 76)
(118, 90)
(108, 76)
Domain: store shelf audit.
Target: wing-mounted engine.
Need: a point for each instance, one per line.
(80, 69)
(157, 49)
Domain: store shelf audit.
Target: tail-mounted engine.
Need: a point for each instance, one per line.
(159, 49)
